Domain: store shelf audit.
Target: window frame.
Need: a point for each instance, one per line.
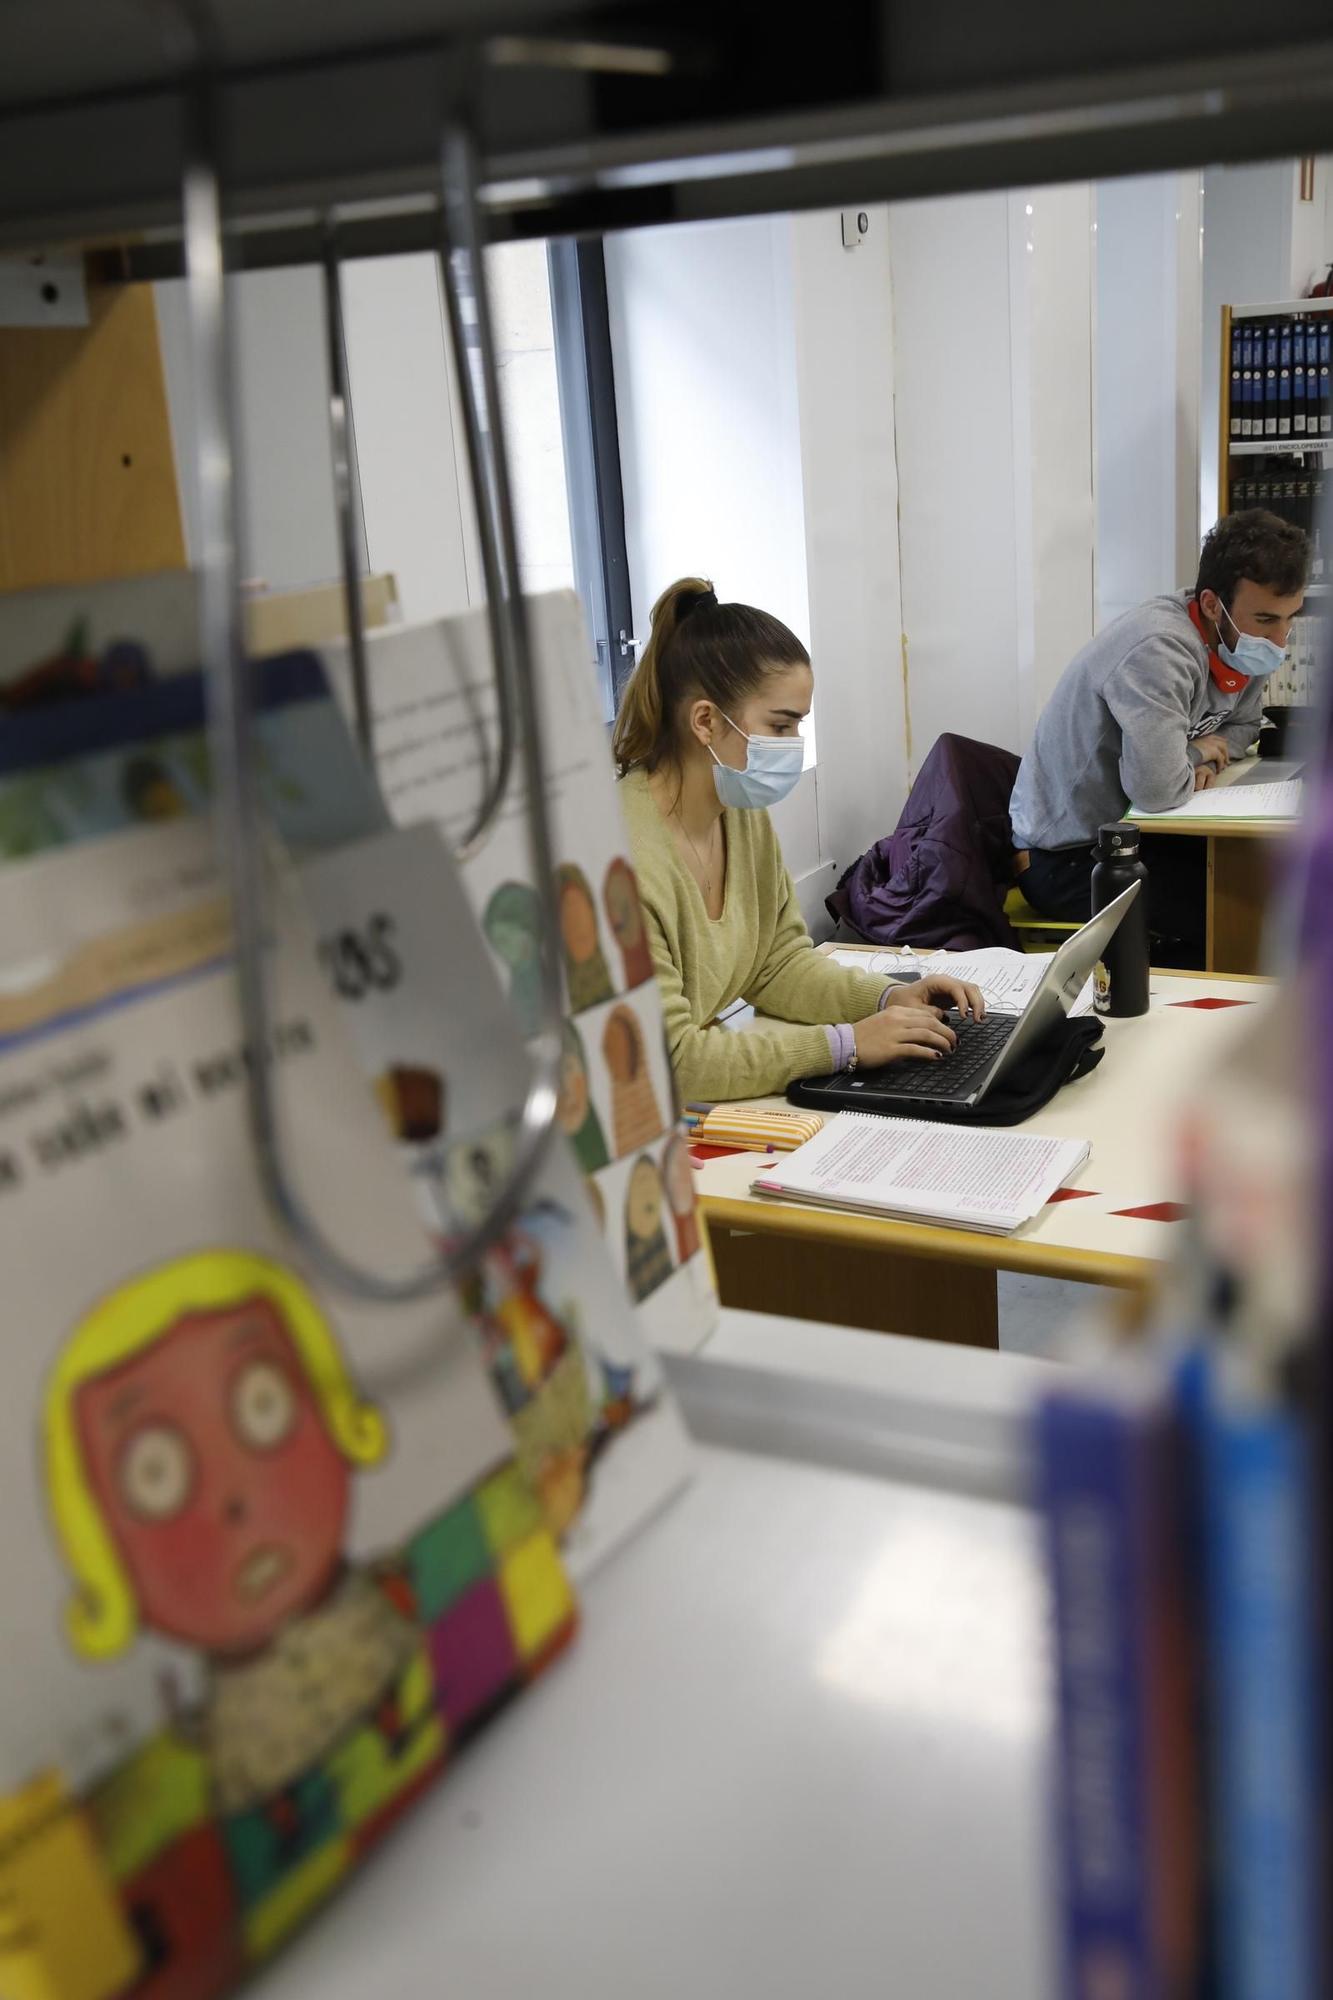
(585, 377)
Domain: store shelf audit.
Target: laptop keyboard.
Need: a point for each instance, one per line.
(954, 1075)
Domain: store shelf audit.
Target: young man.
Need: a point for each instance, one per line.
(1151, 710)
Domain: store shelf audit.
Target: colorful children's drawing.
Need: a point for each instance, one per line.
(624, 913)
(586, 972)
(648, 1257)
(577, 1112)
(678, 1180)
(541, 1374)
(636, 1119)
(202, 1434)
(513, 924)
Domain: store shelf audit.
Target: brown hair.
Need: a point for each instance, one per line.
(697, 647)
(1257, 547)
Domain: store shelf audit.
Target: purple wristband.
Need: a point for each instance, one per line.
(841, 1045)
(884, 997)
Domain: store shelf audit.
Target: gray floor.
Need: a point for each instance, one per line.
(1037, 1315)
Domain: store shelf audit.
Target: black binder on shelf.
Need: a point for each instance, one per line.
(1284, 378)
(1325, 397)
(1270, 379)
(1249, 400)
(1298, 392)
(1237, 379)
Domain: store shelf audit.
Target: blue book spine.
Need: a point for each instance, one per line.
(1247, 379)
(1237, 378)
(1257, 1519)
(1325, 366)
(1128, 1883)
(1270, 380)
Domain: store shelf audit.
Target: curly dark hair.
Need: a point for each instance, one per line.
(1257, 546)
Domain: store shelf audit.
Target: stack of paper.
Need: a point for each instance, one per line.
(1008, 979)
(973, 1178)
(1249, 801)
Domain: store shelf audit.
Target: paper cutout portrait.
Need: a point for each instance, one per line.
(636, 1119)
(150, 790)
(678, 1180)
(647, 1255)
(624, 913)
(586, 974)
(576, 1110)
(201, 1436)
(474, 1172)
(513, 924)
(412, 1098)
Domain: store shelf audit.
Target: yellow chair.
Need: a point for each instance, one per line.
(1035, 932)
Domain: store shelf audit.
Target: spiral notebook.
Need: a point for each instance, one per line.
(992, 1180)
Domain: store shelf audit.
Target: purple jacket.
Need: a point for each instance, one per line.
(939, 880)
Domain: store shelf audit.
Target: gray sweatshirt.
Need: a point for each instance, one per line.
(1121, 725)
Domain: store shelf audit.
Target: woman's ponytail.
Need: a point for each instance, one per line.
(643, 731)
(696, 647)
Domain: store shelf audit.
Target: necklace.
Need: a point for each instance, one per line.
(703, 865)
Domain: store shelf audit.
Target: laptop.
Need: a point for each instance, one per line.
(987, 1050)
(1272, 771)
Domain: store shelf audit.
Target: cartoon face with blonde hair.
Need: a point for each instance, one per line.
(200, 1431)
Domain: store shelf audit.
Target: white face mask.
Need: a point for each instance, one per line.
(773, 765)
(1252, 656)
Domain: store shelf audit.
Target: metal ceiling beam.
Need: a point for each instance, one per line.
(304, 138)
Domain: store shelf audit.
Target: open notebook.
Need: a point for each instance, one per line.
(981, 1179)
(1281, 799)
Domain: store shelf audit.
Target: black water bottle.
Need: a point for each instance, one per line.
(1120, 982)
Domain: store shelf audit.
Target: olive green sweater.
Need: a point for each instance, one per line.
(759, 950)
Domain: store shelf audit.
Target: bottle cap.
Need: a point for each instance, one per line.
(1118, 840)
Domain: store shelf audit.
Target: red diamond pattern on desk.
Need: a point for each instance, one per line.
(1156, 1211)
(1071, 1194)
(1209, 1006)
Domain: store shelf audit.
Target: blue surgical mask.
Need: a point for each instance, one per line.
(1252, 656)
(773, 764)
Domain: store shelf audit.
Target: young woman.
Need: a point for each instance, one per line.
(707, 737)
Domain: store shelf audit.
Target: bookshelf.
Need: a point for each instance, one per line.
(338, 109)
(1265, 460)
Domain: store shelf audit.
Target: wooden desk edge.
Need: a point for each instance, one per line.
(1252, 829)
(919, 1239)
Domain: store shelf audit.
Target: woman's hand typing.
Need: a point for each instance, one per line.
(910, 1027)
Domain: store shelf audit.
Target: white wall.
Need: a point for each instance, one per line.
(1050, 260)
(849, 472)
(416, 501)
(520, 293)
(1148, 304)
(704, 345)
(1311, 228)
(992, 330)
(284, 467)
(955, 444)
(409, 443)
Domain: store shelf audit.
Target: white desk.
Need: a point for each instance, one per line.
(1120, 1225)
(799, 1747)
